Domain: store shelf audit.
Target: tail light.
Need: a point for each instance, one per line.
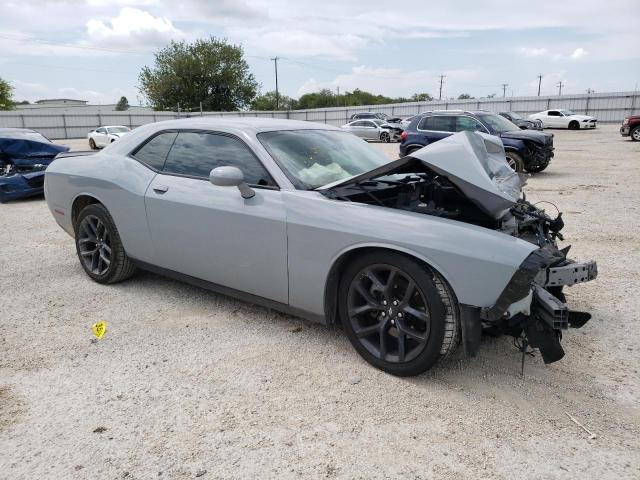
(403, 136)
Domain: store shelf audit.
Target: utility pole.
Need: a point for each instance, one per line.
(275, 61)
(504, 89)
(559, 85)
(590, 91)
(442, 77)
(338, 96)
(539, 83)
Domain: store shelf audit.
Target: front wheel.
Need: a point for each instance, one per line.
(574, 125)
(398, 314)
(515, 161)
(635, 134)
(92, 144)
(385, 137)
(99, 247)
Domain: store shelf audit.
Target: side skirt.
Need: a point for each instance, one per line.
(231, 292)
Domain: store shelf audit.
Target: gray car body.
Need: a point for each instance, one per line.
(281, 247)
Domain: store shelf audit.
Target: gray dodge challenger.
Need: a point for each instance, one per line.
(409, 257)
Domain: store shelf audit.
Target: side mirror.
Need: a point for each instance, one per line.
(231, 177)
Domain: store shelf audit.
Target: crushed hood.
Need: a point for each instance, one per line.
(474, 162)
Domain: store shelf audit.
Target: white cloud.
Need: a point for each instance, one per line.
(132, 27)
(533, 52)
(578, 53)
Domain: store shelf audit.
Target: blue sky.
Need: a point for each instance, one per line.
(94, 49)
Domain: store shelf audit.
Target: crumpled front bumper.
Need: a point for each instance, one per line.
(17, 186)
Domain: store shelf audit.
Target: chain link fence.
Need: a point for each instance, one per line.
(606, 107)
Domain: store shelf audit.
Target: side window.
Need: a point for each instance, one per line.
(468, 124)
(359, 123)
(553, 113)
(154, 152)
(439, 123)
(101, 130)
(196, 154)
(370, 124)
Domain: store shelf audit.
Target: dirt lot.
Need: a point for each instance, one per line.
(187, 383)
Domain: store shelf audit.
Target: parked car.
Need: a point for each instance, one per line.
(564, 119)
(410, 257)
(522, 122)
(526, 150)
(631, 127)
(374, 115)
(24, 156)
(373, 130)
(103, 136)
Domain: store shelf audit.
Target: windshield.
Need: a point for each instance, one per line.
(567, 113)
(25, 135)
(117, 129)
(497, 123)
(515, 116)
(313, 158)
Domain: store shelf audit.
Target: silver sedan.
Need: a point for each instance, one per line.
(371, 130)
(410, 258)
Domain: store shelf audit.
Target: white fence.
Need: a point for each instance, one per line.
(606, 107)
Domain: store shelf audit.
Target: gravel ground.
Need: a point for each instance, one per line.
(187, 383)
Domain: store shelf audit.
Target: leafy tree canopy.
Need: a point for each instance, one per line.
(122, 105)
(6, 91)
(211, 71)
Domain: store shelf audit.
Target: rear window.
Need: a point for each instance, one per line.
(155, 151)
(440, 123)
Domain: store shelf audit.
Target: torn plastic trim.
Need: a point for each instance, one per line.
(521, 282)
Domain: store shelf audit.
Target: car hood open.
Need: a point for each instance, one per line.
(474, 162)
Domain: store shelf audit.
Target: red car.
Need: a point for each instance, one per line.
(631, 127)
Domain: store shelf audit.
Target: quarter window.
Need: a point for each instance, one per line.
(437, 123)
(196, 154)
(154, 152)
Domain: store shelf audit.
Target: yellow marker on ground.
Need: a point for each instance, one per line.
(99, 329)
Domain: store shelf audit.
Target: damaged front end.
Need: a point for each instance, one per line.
(22, 166)
(466, 178)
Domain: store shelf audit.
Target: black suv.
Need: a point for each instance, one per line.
(526, 150)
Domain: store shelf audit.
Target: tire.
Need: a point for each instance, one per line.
(574, 125)
(537, 168)
(410, 150)
(92, 144)
(407, 337)
(635, 134)
(385, 137)
(107, 262)
(515, 161)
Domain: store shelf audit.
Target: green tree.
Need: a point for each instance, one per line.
(211, 71)
(421, 97)
(465, 96)
(6, 91)
(122, 105)
(267, 101)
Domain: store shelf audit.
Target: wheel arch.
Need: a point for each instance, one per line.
(344, 257)
(81, 201)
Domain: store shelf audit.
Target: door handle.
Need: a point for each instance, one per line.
(160, 189)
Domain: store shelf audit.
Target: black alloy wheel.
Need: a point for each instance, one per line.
(393, 313)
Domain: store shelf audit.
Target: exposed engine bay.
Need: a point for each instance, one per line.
(446, 182)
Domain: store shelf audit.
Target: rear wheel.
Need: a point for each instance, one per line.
(635, 134)
(574, 125)
(92, 144)
(99, 247)
(399, 315)
(385, 137)
(515, 161)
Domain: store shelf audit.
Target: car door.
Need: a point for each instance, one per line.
(101, 137)
(554, 119)
(436, 127)
(371, 130)
(211, 232)
(358, 128)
